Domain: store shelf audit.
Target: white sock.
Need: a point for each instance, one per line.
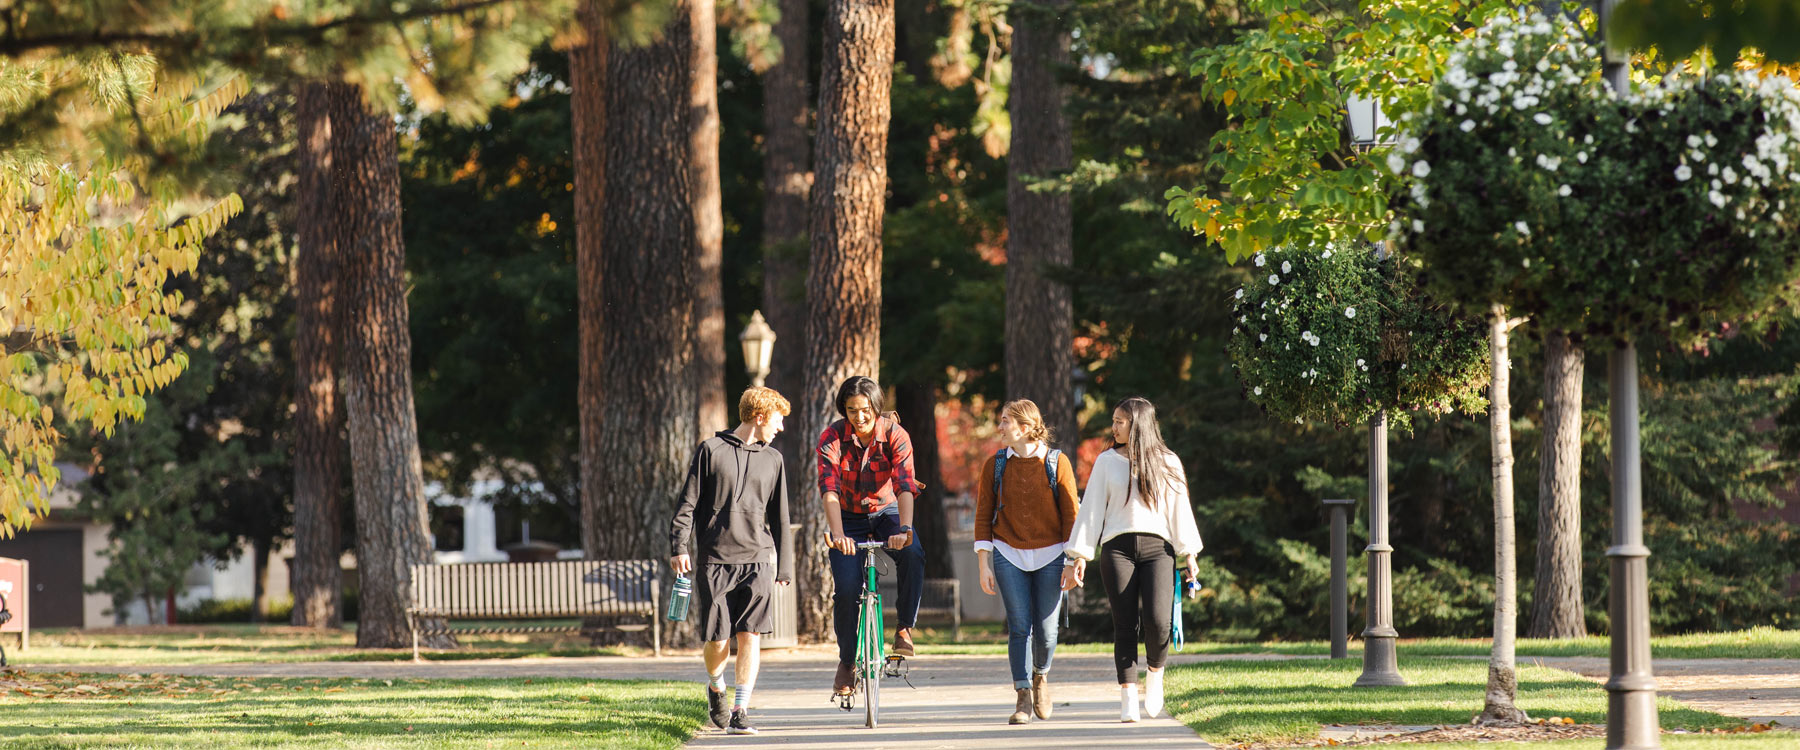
(1153, 693)
(716, 682)
(1128, 703)
(742, 700)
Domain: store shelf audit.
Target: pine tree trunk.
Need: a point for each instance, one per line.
(587, 102)
(917, 404)
(709, 223)
(391, 532)
(259, 583)
(786, 184)
(317, 579)
(843, 278)
(1501, 703)
(1040, 349)
(647, 279)
(1557, 609)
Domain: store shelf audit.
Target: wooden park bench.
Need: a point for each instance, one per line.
(941, 601)
(613, 589)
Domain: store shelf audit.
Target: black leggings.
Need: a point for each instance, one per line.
(1138, 571)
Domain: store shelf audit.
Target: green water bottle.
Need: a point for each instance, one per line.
(679, 594)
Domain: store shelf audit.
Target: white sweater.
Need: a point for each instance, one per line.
(1111, 507)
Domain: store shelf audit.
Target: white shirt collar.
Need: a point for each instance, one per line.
(1038, 450)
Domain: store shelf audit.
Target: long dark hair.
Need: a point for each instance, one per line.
(1146, 450)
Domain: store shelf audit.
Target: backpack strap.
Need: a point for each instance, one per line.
(999, 471)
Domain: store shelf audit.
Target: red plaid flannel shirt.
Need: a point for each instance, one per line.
(870, 479)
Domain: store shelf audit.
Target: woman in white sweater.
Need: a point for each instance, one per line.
(1136, 512)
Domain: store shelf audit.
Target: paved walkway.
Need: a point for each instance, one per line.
(1758, 690)
(955, 701)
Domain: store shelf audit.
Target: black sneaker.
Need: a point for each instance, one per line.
(716, 707)
(740, 723)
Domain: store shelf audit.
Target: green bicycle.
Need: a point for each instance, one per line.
(871, 663)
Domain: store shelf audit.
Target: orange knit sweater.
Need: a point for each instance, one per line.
(1033, 516)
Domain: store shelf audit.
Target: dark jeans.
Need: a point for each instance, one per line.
(1032, 599)
(847, 573)
(1138, 571)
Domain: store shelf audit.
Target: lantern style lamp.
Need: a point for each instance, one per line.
(1366, 122)
(758, 340)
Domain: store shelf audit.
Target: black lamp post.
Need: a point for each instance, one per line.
(1380, 660)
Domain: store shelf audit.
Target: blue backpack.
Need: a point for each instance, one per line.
(1000, 470)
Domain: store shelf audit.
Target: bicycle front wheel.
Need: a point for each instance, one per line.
(872, 667)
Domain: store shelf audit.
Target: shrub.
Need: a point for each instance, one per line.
(1335, 334)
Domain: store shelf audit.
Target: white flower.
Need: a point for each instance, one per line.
(1287, 267)
(1274, 279)
(1564, 191)
(1349, 312)
(1418, 226)
(1467, 125)
(1359, 363)
(1420, 168)
(1543, 118)
(1581, 156)
(1522, 227)
(1512, 152)
(1259, 260)
(1711, 141)
(1262, 337)
(1730, 176)
(1717, 198)
(1240, 293)
(1325, 254)
(1693, 141)
(1257, 390)
(1314, 341)
(1396, 163)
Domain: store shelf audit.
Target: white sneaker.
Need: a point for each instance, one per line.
(1153, 699)
(1128, 704)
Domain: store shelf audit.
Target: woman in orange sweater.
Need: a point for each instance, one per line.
(1024, 510)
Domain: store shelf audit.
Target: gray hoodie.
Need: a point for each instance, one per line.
(736, 497)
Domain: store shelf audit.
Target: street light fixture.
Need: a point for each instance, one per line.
(758, 340)
(1380, 661)
(1366, 122)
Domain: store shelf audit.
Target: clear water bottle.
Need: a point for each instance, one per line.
(679, 594)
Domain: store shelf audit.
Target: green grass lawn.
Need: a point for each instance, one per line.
(1230, 702)
(219, 644)
(69, 710)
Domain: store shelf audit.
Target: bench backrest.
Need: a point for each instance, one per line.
(564, 588)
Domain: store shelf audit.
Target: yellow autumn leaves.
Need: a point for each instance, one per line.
(84, 259)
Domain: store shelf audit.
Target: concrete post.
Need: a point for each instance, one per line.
(1340, 588)
(1380, 662)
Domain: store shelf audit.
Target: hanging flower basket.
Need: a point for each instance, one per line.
(1333, 334)
(1667, 211)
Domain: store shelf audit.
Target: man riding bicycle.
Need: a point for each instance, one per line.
(866, 479)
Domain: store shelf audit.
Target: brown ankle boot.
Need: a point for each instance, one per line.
(1040, 696)
(1022, 713)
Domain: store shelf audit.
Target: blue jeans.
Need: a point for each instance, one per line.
(847, 574)
(1032, 599)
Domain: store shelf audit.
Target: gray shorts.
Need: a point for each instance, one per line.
(735, 599)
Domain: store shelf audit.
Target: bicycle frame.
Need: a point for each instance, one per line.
(869, 646)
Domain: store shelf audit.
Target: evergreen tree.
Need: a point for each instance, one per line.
(843, 282)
